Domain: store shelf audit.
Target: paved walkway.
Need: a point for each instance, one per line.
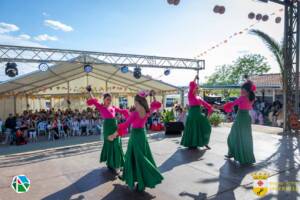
(74, 172)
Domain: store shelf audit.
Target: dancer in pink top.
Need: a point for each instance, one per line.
(239, 141)
(197, 128)
(112, 152)
(139, 164)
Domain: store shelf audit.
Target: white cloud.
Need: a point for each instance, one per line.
(6, 28)
(19, 41)
(57, 25)
(24, 37)
(45, 37)
(45, 14)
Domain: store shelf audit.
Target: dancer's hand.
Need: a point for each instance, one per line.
(111, 138)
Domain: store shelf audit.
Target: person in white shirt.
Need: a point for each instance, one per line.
(75, 127)
(84, 125)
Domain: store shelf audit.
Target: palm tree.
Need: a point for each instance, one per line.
(275, 47)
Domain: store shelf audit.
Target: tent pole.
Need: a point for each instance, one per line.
(15, 104)
(68, 85)
(27, 103)
(182, 97)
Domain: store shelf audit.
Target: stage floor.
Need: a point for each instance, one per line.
(75, 173)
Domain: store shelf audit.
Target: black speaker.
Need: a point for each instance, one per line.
(174, 128)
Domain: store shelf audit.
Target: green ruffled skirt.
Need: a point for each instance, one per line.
(139, 163)
(112, 152)
(240, 143)
(197, 129)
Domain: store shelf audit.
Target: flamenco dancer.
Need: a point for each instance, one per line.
(239, 141)
(197, 128)
(139, 163)
(112, 152)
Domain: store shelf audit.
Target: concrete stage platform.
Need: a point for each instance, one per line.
(75, 173)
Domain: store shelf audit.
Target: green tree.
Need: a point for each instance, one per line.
(252, 64)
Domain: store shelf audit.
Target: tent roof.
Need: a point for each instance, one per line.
(64, 72)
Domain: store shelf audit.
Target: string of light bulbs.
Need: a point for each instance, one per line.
(259, 18)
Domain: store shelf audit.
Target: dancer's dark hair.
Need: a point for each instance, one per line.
(143, 102)
(106, 95)
(248, 86)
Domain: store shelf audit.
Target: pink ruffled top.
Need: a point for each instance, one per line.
(136, 121)
(196, 100)
(107, 112)
(242, 102)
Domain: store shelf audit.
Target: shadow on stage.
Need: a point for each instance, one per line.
(124, 193)
(88, 182)
(284, 164)
(181, 157)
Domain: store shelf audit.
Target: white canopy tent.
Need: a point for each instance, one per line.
(64, 81)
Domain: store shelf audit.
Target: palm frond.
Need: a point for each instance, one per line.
(275, 47)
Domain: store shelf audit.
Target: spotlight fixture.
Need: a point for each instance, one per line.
(137, 72)
(124, 69)
(167, 72)
(87, 68)
(43, 67)
(11, 69)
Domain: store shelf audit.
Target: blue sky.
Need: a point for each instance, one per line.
(143, 27)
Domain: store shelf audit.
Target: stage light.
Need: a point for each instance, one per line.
(258, 17)
(277, 20)
(251, 15)
(124, 69)
(167, 72)
(88, 68)
(11, 69)
(137, 72)
(43, 67)
(265, 18)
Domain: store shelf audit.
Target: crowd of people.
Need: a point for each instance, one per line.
(30, 125)
(58, 124)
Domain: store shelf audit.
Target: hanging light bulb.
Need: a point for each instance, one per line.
(251, 15)
(277, 20)
(221, 10)
(216, 9)
(258, 17)
(265, 18)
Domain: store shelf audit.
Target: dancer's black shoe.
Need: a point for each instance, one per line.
(228, 156)
(207, 147)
